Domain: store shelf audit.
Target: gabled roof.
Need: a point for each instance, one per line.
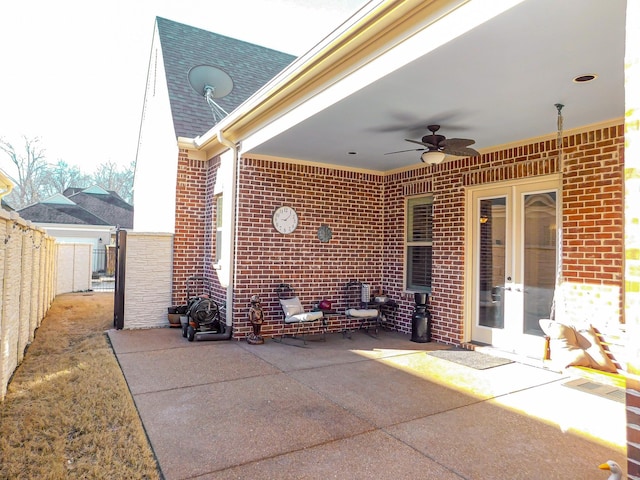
(59, 213)
(107, 205)
(184, 47)
(57, 199)
(77, 206)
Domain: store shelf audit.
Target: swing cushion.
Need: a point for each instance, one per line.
(576, 346)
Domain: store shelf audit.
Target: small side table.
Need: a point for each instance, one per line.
(389, 308)
(346, 333)
(326, 312)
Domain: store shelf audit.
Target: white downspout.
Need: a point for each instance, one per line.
(232, 238)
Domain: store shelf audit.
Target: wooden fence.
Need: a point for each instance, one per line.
(27, 288)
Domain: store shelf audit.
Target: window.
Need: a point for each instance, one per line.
(419, 244)
(218, 228)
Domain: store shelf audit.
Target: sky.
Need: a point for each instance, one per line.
(73, 72)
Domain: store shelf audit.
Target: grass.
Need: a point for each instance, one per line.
(68, 412)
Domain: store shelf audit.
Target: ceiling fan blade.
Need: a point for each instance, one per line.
(428, 145)
(457, 142)
(410, 150)
(461, 151)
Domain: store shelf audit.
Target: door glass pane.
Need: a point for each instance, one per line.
(539, 258)
(493, 226)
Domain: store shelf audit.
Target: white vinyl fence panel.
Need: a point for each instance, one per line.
(74, 267)
(27, 279)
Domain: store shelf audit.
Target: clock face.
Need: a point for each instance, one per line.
(285, 219)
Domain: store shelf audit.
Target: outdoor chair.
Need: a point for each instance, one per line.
(295, 318)
(359, 307)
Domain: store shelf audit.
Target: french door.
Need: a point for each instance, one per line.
(513, 264)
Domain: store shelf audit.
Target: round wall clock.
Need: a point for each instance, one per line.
(324, 233)
(285, 219)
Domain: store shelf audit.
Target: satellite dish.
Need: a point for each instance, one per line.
(204, 76)
(211, 82)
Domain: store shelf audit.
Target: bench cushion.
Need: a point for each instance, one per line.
(303, 317)
(291, 306)
(362, 312)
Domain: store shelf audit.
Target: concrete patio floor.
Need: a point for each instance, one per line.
(359, 408)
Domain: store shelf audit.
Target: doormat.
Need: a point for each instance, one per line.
(470, 358)
(605, 391)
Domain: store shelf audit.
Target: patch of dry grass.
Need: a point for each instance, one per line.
(68, 412)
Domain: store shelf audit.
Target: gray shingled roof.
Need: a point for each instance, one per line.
(65, 214)
(6, 206)
(110, 208)
(88, 209)
(184, 47)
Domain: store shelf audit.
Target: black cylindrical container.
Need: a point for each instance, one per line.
(421, 320)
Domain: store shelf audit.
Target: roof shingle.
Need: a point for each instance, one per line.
(63, 214)
(86, 209)
(184, 47)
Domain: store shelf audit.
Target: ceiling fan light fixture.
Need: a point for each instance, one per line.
(585, 78)
(432, 157)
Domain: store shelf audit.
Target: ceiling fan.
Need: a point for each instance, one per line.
(437, 146)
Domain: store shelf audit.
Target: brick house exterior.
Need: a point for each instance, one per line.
(366, 212)
(364, 208)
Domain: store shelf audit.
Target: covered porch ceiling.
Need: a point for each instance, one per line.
(497, 82)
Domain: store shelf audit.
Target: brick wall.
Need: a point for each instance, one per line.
(632, 236)
(366, 213)
(194, 238)
(350, 203)
(192, 225)
(593, 236)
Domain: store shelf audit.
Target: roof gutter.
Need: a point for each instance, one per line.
(378, 25)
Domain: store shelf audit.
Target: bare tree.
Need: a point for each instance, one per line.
(110, 177)
(62, 176)
(36, 179)
(31, 167)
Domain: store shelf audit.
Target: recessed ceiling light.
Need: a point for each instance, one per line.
(585, 78)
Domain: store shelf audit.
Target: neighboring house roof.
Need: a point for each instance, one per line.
(60, 213)
(91, 206)
(107, 205)
(184, 47)
(6, 206)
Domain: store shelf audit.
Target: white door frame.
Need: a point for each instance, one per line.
(548, 182)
